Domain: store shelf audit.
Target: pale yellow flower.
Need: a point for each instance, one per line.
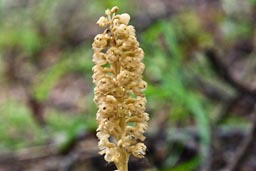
(119, 90)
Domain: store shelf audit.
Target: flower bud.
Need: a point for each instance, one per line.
(125, 18)
(103, 22)
(114, 9)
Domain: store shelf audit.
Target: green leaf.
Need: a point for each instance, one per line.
(186, 166)
(180, 92)
(25, 38)
(46, 81)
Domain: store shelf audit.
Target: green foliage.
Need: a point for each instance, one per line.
(174, 85)
(64, 129)
(48, 79)
(17, 128)
(24, 38)
(124, 6)
(253, 1)
(187, 166)
(234, 30)
(71, 62)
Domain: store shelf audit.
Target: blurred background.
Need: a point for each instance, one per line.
(200, 67)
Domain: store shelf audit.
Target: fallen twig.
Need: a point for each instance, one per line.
(245, 149)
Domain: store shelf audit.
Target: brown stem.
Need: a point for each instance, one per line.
(122, 165)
